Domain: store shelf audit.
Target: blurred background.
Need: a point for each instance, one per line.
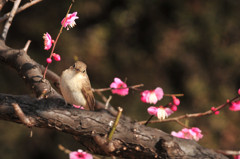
(190, 47)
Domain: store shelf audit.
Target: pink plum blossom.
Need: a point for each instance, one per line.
(193, 134)
(152, 110)
(235, 106)
(47, 41)
(80, 155)
(70, 20)
(117, 85)
(160, 112)
(152, 96)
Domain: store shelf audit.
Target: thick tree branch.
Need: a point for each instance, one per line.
(130, 140)
(28, 69)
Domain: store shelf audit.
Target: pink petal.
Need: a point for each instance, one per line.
(152, 110)
(152, 99)
(159, 93)
(177, 134)
(168, 111)
(70, 20)
(193, 133)
(235, 106)
(117, 80)
(47, 41)
(113, 85)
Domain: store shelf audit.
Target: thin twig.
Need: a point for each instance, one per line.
(20, 9)
(62, 148)
(51, 76)
(229, 152)
(10, 19)
(195, 115)
(24, 119)
(150, 118)
(55, 41)
(108, 89)
(177, 95)
(102, 96)
(115, 124)
(180, 123)
(108, 101)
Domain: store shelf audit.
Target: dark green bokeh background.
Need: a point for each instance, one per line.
(189, 47)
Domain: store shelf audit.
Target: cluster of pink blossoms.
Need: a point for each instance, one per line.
(148, 96)
(192, 134)
(80, 155)
(69, 23)
(161, 112)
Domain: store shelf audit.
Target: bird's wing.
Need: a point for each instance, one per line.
(88, 94)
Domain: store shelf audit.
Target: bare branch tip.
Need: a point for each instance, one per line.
(108, 101)
(25, 49)
(120, 109)
(24, 119)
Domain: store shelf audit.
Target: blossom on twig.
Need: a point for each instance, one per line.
(70, 20)
(160, 112)
(152, 96)
(47, 41)
(234, 106)
(119, 87)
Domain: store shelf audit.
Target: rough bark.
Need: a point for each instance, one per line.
(131, 140)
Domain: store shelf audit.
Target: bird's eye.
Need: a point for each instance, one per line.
(83, 71)
(74, 66)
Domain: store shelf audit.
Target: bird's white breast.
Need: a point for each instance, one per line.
(71, 85)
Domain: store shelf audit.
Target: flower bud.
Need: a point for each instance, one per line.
(49, 60)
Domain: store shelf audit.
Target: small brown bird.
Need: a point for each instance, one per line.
(75, 86)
